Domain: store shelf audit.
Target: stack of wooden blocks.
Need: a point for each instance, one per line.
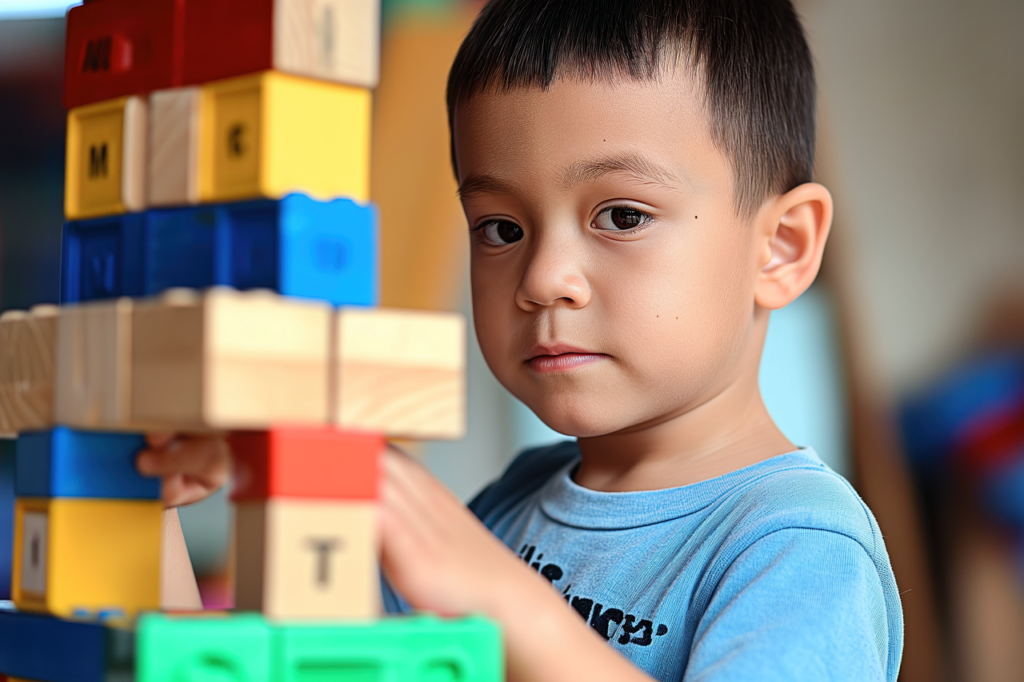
(220, 274)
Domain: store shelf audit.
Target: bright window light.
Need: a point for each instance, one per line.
(34, 9)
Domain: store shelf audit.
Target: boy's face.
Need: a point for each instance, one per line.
(613, 280)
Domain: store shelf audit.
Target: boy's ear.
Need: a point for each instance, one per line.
(793, 230)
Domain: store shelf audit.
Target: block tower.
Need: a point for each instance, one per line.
(220, 274)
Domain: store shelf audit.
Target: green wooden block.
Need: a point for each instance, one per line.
(203, 649)
(407, 649)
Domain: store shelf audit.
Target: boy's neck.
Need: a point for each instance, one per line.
(729, 431)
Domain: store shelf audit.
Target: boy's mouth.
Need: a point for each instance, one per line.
(560, 358)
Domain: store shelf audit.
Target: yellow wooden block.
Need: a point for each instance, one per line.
(226, 359)
(307, 559)
(172, 176)
(271, 134)
(400, 372)
(81, 557)
(106, 158)
(27, 358)
(93, 387)
(331, 39)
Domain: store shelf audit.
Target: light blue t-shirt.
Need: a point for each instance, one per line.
(776, 571)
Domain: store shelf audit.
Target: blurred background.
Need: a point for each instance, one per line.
(903, 366)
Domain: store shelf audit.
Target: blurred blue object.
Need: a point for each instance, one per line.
(6, 515)
(936, 422)
(1003, 492)
(802, 378)
(102, 258)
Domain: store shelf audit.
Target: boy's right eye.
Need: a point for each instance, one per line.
(500, 232)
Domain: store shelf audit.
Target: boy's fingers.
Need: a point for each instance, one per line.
(204, 459)
(159, 441)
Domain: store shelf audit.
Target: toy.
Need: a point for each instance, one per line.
(86, 557)
(27, 359)
(400, 372)
(106, 158)
(317, 463)
(61, 462)
(102, 258)
(229, 360)
(271, 134)
(171, 176)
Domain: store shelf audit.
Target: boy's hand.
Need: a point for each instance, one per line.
(191, 467)
(440, 558)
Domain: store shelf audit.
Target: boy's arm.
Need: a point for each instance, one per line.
(442, 559)
(799, 604)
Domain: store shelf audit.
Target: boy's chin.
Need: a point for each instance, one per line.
(577, 421)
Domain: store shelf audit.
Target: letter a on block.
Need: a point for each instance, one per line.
(307, 559)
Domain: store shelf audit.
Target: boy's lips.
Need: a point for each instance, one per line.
(560, 358)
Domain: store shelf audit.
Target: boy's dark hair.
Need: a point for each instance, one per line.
(751, 55)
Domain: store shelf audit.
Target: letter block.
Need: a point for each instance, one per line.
(94, 351)
(324, 39)
(172, 175)
(320, 463)
(34, 647)
(106, 158)
(213, 647)
(86, 557)
(66, 463)
(229, 360)
(102, 258)
(307, 559)
(296, 246)
(27, 359)
(400, 372)
(271, 134)
(121, 47)
(412, 649)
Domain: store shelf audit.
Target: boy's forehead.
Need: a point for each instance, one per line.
(578, 130)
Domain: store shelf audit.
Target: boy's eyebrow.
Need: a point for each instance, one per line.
(641, 168)
(483, 184)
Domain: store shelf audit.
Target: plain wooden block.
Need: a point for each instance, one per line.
(87, 558)
(93, 386)
(106, 158)
(307, 559)
(172, 174)
(334, 40)
(27, 359)
(271, 134)
(400, 372)
(226, 359)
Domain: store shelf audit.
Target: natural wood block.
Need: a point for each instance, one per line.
(271, 134)
(400, 372)
(86, 557)
(94, 350)
(106, 158)
(28, 347)
(172, 173)
(226, 359)
(307, 559)
(325, 39)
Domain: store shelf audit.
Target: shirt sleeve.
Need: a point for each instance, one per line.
(798, 604)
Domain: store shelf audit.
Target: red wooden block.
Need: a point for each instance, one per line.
(227, 38)
(324, 463)
(122, 47)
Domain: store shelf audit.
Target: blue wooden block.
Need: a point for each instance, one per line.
(296, 246)
(102, 258)
(45, 648)
(62, 462)
(6, 515)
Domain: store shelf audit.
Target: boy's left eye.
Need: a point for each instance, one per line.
(620, 218)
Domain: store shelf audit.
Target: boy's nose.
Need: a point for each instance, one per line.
(551, 280)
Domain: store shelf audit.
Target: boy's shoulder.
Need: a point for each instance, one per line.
(794, 490)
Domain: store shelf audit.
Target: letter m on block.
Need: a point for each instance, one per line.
(98, 160)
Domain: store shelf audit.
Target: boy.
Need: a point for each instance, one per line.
(636, 175)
